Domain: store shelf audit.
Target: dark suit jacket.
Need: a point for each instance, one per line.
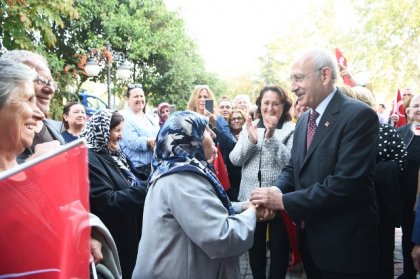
(330, 187)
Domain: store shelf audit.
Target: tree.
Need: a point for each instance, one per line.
(27, 24)
(391, 39)
(380, 38)
(164, 58)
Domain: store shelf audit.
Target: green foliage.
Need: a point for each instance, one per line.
(28, 24)
(164, 58)
(382, 40)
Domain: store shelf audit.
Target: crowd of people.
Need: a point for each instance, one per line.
(326, 157)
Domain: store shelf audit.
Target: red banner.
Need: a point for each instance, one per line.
(343, 62)
(220, 169)
(398, 109)
(44, 222)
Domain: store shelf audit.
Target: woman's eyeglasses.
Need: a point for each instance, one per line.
(237, 119)
(43, 81)
(134, 85)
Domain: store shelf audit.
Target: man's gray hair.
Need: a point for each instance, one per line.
(323, 58)
(12, 75)
(23, 56)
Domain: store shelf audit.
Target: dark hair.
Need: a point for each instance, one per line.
(284, 98)
(116, 119)
(66, 110)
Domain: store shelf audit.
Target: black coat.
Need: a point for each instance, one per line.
(118, 205)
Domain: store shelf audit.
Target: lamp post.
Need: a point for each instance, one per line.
(99, 59)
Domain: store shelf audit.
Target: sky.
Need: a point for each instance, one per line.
(231, 34)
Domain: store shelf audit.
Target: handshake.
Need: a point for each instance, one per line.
(266, 202)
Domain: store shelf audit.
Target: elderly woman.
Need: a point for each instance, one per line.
(190, 230)
(116, 193)
(18, 111)
(263, 151)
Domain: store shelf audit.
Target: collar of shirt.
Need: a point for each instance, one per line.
(323, 105)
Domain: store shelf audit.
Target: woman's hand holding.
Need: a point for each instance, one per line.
(211, 116)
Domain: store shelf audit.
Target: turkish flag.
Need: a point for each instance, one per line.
(398, 109)
(293, 238)
(44, 222)
(220, 169)
(343, 61)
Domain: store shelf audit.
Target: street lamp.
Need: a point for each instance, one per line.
(97, 60)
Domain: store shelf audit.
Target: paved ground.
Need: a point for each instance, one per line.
(298, 273)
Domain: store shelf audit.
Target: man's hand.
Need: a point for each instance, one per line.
(271, 198)
(95, 251)
(43, 148)
(415, 254)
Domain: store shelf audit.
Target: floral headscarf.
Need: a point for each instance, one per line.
(159, 108)
(178, 142)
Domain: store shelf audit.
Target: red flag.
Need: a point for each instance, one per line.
(221, 171)
(398, 109)
(343, 62)
(44, 222)
(293, 239)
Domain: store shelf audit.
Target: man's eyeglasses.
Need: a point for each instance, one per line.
(300, 78)
(43, 81)
(134, 85)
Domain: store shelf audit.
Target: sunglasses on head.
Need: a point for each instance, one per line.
(134, 85)
(201, 86)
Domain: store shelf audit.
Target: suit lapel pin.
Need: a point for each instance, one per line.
(327, 124)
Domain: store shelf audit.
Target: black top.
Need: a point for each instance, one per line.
(69, 137)
(118, 204)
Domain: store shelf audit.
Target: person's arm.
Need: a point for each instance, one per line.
(280, 145)
(223, 134)
(243, 150)
(218, 234)
(346, 76)
(397, 149)
(133, 137)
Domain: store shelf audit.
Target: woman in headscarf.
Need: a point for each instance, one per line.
(190, 230)
(163, 112)
(116, 192)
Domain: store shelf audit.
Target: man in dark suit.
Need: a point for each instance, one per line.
(327, 188)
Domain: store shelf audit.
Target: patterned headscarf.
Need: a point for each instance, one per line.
(159, 108)
(178, 144)
(97, 133)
